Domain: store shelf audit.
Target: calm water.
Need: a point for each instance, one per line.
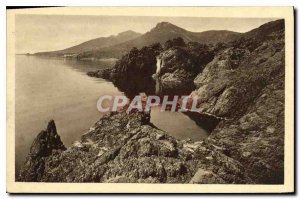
(60, 90)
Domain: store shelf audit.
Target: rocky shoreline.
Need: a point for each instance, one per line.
(240, 82)
(123, 147)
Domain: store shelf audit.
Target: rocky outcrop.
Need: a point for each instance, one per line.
(238, 74)
(133, 72)
(256, 138)
(179, 65)
(123, 147)
(46, 143)
(179, 79)
(137, 63)
(245, 83)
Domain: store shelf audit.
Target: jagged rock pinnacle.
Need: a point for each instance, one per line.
(51, 128)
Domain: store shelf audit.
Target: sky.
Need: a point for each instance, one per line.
(38, 33)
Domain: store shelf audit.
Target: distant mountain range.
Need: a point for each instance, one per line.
(164, 31)
(116, 46)
(159, 34)
(95, 44)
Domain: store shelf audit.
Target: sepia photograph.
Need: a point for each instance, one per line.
(139, 98)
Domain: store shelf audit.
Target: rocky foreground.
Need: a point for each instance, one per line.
(241, 82)
(123, 147)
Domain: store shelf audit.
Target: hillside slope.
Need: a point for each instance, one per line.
(95, 44)
(242, 85)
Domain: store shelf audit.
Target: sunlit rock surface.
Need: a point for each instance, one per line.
(128, 148)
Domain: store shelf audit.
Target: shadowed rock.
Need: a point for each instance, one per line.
(242, 85)
(45, 144)
(245, 82)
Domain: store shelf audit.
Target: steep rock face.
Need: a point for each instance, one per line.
(132, 73)
(245, 84)
(256, 138)
(137, 63)
(237, 75)
(45, 144)
(179, 79)
(124, 147)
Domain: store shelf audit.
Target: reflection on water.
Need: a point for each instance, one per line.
(60, 89)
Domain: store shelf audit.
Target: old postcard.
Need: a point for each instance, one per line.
(150, 100)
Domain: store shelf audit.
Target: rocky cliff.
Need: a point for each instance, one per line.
(123, 147)
(241, 83)
(179, 63)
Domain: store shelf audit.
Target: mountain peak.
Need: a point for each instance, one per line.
(166, 26)
(164, 23)
(128, 33)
